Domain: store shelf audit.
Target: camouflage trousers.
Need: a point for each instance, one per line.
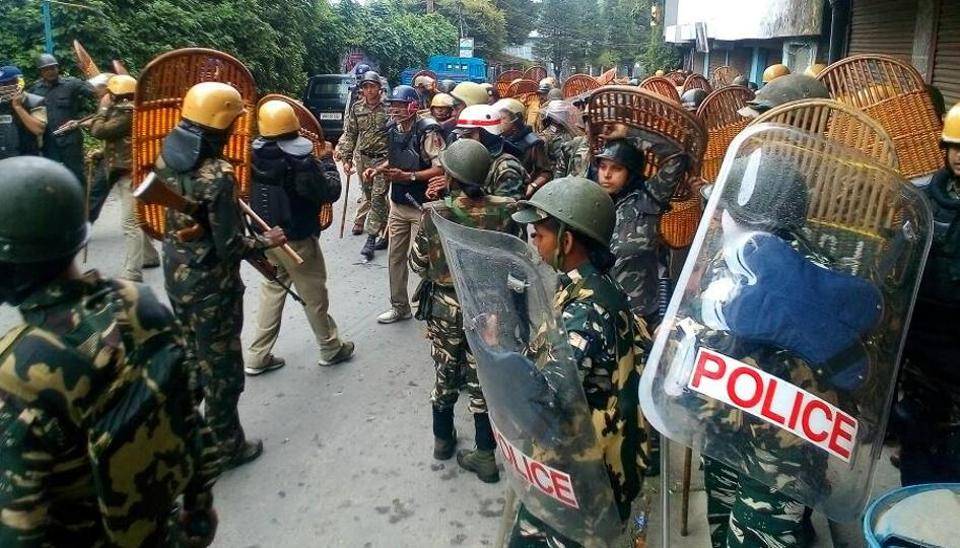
(211, 328)
(456, 368)
(373, 208)
(744, 512)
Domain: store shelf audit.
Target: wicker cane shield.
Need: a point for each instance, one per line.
(160, 91)
(695, 81)
(607, 77)
(85, 63)
(509, 76)
(519, 88)
(724, 76)
(120, 68)
(578, 84)
(678, 77)
(644, 109)
(309, 129)
(720, 117)
(535, 73)
(662, 86)
(894, 94)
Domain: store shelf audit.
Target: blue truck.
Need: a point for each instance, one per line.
(448, 67)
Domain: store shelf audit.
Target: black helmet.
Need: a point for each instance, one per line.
(741, 80)
(361, 69)
(446, 86)
(46, 60)
(692, 98)
(623, 153)
(404, 94)
(42, 215)
(766, 192)
(785, 89)
(370, 76)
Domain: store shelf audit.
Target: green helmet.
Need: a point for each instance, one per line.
(785, 89)
(579, 204)
(42, 215)
(466, 161)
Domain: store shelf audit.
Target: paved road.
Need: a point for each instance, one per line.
(348, 449)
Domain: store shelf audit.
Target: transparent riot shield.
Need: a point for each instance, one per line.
(533, 391)
(779, 352)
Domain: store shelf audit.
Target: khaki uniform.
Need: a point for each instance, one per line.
(114, 125)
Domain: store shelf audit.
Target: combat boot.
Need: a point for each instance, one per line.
(369, 247)
(382, 243)
(480, 462)
(444, 434)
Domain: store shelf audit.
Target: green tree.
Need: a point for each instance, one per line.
(520, 16)
(479, 19)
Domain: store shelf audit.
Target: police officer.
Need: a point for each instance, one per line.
(530, 147)
(202, 254)
(98, 408)
(568, 151)
(290, 184)
(465, 165)
(415, 145)
(785, 89)
(506, 176)
(23, 116)
(467, 94)
(364, 140)
(426, 88)
(446, 85)
(573, 221)
(441, 109)
(640, 204)
(63, 97)
(114, 124)
(928, 415)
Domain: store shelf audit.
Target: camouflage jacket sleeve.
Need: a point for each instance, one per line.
(223, 216)
(420, 250)
(112, 123)
(506, 177)
(348, 141)
(662, 185)
(589, 338)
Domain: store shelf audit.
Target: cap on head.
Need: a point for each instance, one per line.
(121, 84)
(514, 107)
(623, 153)
(441, 100)
(42, 214)
(467, 161)
(470, 93)
(370, 77)
(578, 203)
(951, 126)
(775, 71)
(46, 60)
(212, 105)
(9, 74)
(276, 118)
(480, 116)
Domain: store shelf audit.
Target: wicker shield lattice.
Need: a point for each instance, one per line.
(722, 122)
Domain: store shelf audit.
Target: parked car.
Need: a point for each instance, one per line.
(327, 96)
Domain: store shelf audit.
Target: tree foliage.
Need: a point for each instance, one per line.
(280, 42)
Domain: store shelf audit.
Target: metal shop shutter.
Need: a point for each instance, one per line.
(946, 60)
(883, 26)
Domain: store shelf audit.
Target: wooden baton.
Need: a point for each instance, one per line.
(263, 225)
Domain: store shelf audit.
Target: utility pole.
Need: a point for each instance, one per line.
(47, 26)
(430, 6)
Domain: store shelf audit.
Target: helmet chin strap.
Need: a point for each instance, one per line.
(559, 255)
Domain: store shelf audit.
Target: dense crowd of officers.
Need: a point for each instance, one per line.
(102, 385)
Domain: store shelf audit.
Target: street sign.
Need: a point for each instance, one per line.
(466, 47)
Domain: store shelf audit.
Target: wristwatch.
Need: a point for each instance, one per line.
(413, 176)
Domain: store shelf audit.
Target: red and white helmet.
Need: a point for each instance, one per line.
(480, 116)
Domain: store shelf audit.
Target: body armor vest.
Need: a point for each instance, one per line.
(405, 153)
(15, 140)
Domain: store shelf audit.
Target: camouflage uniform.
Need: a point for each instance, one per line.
(437, 300)
(114, 126)
(365, 137)
(80, 466)
(506, 177)
(568, 155)
(609, 346)
(203, 282)
(636, 238)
